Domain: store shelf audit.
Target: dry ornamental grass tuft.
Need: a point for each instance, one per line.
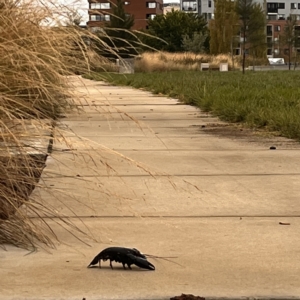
(37, 53)
(164, 61)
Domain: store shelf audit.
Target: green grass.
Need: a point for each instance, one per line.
(269, 100)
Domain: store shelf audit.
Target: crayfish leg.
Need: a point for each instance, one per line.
(110, 263)
(124, 267)
(100, 263)
(129, 267)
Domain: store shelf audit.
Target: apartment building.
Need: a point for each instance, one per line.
(100, 12)
(201, 7)
(168, 7)
(277, 13)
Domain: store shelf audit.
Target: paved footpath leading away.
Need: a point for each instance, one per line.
(212, 200)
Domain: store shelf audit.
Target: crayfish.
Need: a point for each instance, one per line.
(125, 256)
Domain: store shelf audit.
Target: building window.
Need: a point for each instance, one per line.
(150, 16)
(189, 5)
(100, 17)
(269, 51)
(100, 5)
(105, 5)
(95, 6)
(209, 3)
(281, 5)
(293, 5)
(277, 28)
(151, 4)
(269, 42)
(298, 5)
(95, 17)
(295, 17)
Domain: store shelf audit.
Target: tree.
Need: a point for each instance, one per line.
(256, 33)
(289, 38)
(119, 18)
(224, 27)
(172, 27)
(253, 23)
(117, 35)
(194, 44)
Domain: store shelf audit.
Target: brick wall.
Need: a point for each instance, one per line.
(138, 8)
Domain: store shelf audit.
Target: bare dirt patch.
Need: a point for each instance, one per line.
(252, 135)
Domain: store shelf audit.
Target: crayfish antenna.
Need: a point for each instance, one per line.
(165, 258)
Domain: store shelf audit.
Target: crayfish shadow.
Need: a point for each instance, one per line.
(119, 269)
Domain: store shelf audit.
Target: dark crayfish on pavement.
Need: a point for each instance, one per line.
(125, 256)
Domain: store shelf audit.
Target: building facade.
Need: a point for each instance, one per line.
(277, 13)
(100, 12)
(168, 7)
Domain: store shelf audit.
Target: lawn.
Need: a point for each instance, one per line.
(269, 100)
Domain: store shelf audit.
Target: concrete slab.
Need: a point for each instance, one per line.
(182, 163)
(167, 108)
(184, 196)
(220, 257)
(104, 100)
(144, 115)
(190, 142)
(110, 124)
(220, 215)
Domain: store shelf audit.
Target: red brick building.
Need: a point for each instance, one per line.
(101, 10)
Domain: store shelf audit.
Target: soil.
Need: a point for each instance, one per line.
(19, 175)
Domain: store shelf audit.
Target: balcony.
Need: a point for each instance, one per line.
(189, 6)
(272, 10)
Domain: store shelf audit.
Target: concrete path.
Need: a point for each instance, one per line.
(144, 171)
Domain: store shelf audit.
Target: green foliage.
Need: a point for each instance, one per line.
(224, 27)
(195, 43)
(172, 27)
(119, 19)
(256, 36)
(259, 99)
(253, 22)
(117, 34)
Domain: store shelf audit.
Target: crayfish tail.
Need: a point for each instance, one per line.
(141, 262)
(94, 261)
